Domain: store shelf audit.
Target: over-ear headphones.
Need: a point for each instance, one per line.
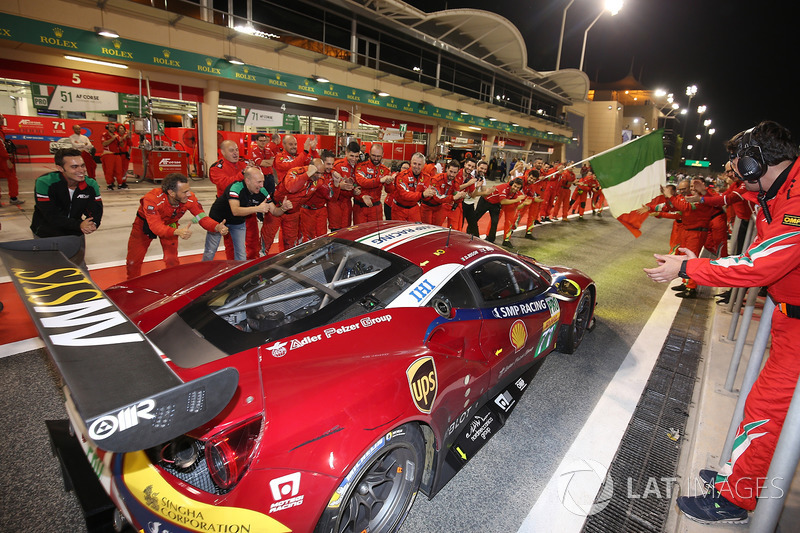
(751, 164)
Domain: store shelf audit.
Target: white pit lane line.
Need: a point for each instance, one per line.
(595, 446)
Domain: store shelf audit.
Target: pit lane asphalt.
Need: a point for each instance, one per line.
(499, 486)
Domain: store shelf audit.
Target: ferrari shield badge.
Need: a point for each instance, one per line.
(423, 383)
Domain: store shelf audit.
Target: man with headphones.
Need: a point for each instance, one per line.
(767, 159)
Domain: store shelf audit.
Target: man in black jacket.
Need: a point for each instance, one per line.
(67, 202)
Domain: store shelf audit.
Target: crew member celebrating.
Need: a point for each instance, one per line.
(371, 176)
(340, 207)
(313, 215)
(241, 200)
(223, 173)
(158, 216)
(409, 190)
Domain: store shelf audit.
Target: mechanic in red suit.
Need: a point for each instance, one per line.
(372, 177)
(158, 215)
(563, 193)
(340, 207)
(288, 158)
(262, 156)
(313, 213)
(454, 208)
(299, 185)
(767, 157)
(409, 189)
(532, 189)
(503, 197)
(598, 198)
(717, 239)
(580, 195)
(550, 177)
(695, 224)
(432, 209)
(222, 173)
(125, 145)
(111, 158)
(8, 169)
(659, 208)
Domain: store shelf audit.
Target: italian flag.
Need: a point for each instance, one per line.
(631, 175)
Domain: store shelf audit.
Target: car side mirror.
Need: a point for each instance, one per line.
(567, 287)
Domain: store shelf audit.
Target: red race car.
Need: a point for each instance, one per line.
(316, 390)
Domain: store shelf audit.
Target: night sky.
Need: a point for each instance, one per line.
(740, 55)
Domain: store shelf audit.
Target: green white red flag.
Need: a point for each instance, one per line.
(631, 175)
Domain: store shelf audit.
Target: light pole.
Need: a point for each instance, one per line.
(561, 38)
(613, 7)
(691, 90)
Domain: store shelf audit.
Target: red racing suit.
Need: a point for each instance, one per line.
(156, 217)
(340, 206)
(313, 215)
(222, 174)
(297, 187)
(111, 159)
(8, 169)
(563, 193)
(532, 191)
(453, 210)
(695, 225)
(773, 260)
(368, 177)
(431, 210)
(257, 156)
(408, 189)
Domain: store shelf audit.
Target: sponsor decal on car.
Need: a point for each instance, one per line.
(105, 426)
(523, 309)
(278, 349)
(285, 491)
(158, 499)
(77, 309)
(386, 240)
(505, 401)
(423, 383)
(518, 334)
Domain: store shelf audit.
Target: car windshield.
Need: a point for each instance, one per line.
(323, 281)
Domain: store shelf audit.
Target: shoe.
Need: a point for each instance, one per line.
(546, 219)
(110, 187)
(708, 477)
(123, 185)
(688, 293)
(711, 508)
(537, 223)
(507, 244)
(679, 288)
(530, 237)
(16, 201)
(580, 217)
(723, 301)
(726, 294)
(600, 213)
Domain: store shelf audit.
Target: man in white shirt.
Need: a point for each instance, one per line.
(82, 143)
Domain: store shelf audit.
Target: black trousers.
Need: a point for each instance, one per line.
(494, 214)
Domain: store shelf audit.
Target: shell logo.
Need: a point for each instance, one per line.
(518, 334)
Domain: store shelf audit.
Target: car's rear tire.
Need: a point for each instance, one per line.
(382, 489)
(571, 335)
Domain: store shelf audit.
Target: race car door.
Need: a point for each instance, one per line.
(517, 320)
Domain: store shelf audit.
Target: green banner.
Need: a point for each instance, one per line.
(68, 39)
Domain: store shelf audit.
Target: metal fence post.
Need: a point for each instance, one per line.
(749, 237)
(737, 295)
(750, 375)
(739, 348)
(781, 471)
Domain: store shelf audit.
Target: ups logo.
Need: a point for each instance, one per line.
(423, 383)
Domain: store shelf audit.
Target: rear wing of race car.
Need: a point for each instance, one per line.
(126, 395)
